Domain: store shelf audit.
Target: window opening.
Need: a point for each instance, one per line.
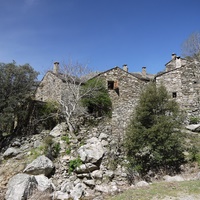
(111, 85)
(174, 94)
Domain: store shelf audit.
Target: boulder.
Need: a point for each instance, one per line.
(168, 178)
(58, 195)
(109, 189)
(77, 192)
(58, 130)
(41, 165)
(142, 184)
(37, 143)
(11, 152)
(16, 144)
(20, 186)
(67, 186)
(86, 168)
(97, 174)
(44, 184)
(90, 183)
(193, 127)
(110, 174)
(103, 136)
(92, 152)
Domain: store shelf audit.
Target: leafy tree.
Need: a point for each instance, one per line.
(45, 115)
(191, 47)
(97, 101)
(153, 138)
(16, 87)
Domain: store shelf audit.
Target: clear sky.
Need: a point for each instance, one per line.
(100, 33)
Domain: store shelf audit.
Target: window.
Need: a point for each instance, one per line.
(174, 94)
(111, 85)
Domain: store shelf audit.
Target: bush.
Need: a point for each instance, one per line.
(47, 114)
(66, 139)
(153, 138)
(51, 148)
(73, 164)
(97, 102)
(194, 120)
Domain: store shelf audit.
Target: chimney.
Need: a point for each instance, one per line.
(125, 67)
(144, 72)
(56, 67)
(173, 56)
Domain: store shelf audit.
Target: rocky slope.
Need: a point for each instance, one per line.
(53, 165)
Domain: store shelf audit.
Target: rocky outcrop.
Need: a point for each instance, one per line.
(99, 171)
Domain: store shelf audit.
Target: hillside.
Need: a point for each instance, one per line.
(100, 175)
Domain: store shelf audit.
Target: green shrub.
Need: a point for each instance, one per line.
(68, 151)
(194, 154)
(47, 114)
(36, 152)
(97, 101)
(51, 148)
(153, 139)
(194, 120)
(73, 164)
(66, 139)
(56, 149)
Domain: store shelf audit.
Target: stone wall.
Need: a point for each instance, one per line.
(124, 89)
(184, 86)
(50, 88)
(124, 97)
(176, 62)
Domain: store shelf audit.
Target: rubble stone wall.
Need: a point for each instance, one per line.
(185, 82)
(50, 88)
(124, 97)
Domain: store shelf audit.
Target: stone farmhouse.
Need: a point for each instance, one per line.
(124, 89)
(51, 86)
(181, 78)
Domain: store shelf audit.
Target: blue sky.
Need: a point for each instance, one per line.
(100, 33)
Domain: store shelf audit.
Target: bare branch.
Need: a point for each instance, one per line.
(74, 75)
(191, 46)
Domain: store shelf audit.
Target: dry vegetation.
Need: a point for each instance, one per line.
(186, 190)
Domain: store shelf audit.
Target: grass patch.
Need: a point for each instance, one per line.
(160, 190)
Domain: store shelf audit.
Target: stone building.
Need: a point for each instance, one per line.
(124, 89)
(51, 86)
(175, 62)
(54, 86)
(182, 80)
